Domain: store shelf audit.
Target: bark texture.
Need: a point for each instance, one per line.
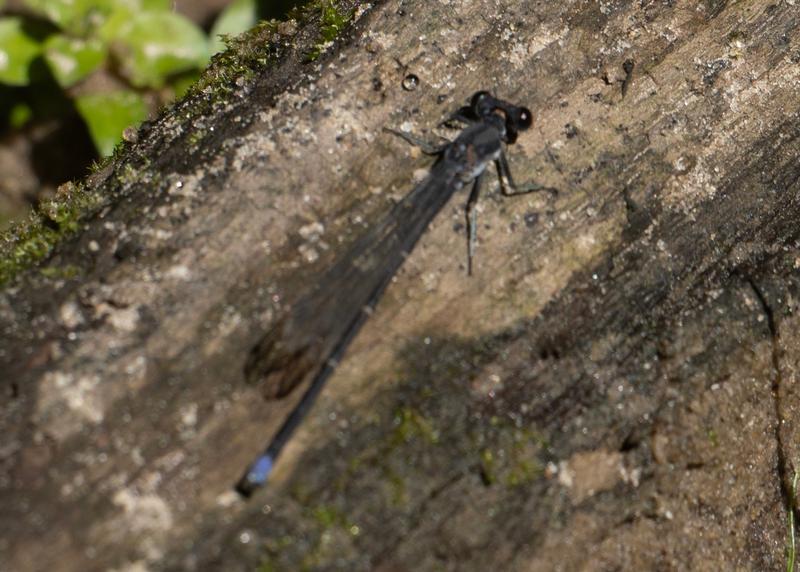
(614, 389)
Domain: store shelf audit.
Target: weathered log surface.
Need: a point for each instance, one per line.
(614, 388)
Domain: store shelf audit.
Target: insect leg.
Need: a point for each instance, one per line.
(472, 221)
(464, 115)
(507, 185)
(425, 146)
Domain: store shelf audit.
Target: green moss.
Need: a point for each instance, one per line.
(29, 242)
(60, 272)
(409, 424)
(488, 467)
(243, 57)
(267, 566)
(249, 53)
(99, 164)
(328, 516)
(510, 454)
(333, 20)
(127, 175)
(331, 524)
(313, 548)
(275, 546)
(524, 471)
(195, 138)
(397, 486)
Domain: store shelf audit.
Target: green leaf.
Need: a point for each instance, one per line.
(19, 115)
(17, 50)
(80, 16)
(77, 16)
(124, 11)
(154, 5)
(60, 12)
(151, 46)
(108, 114)
(239, 16)
(72, 59)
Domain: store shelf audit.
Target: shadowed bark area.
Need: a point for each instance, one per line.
(613, 389)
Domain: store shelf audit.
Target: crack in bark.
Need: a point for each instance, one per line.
(777, 382)
(416, 517)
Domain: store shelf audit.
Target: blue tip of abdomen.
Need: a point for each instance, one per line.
(256, 475)
(260, 470)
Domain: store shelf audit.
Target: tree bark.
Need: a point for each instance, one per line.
(614, 388)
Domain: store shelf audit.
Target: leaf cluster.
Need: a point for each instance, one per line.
(112, 61)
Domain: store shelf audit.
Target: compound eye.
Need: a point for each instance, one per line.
(482, 103)
(525, 118)
(480, 98)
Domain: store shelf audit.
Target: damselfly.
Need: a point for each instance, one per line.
(311, 339)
